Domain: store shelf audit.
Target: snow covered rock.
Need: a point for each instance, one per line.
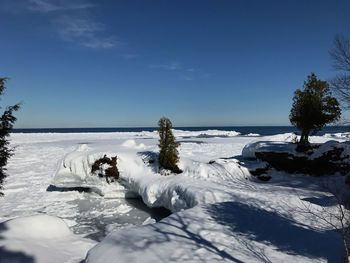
(40, 238)
(276, 142)
(322, 159)
(75, 171)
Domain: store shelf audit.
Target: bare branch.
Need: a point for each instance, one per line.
(340, 54)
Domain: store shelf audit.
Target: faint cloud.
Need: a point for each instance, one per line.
(168, 66)
(205, 76)
(129, 56)
(185, 73)
(85, 32)
(70, 28)
(67, 20)
(187, 78)
(57, 5)
(102, 43)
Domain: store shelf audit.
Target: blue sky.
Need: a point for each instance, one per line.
(85, 63)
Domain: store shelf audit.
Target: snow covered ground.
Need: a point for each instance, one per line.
(220, 212)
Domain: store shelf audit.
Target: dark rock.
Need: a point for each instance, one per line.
(328, 163)
(260, 171)
(111, 172)
(347, 179)
(264, 178)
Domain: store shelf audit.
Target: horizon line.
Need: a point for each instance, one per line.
(155, 127)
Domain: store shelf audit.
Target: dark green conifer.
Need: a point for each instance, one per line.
(313, 107)
(6, 124)
(168, 153)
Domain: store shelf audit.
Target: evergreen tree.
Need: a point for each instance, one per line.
(168, 154)
(313, 107)
(6, 124)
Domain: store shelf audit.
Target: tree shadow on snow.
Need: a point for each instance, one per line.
(272, 228)
(324, 201)
(7, 256)
(150, 159)
(174, 229)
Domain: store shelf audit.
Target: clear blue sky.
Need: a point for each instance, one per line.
(85, 63)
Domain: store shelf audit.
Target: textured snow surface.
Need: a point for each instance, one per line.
(221, 232)
(220, 212)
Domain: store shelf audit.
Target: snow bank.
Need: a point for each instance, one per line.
(177, 192)
(40, 238)
(196, 185)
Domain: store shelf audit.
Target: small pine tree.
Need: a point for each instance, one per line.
(6, 124)
(168, 154)
(313, 108)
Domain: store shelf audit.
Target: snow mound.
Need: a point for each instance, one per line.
(38, 226)
(133, 144)
(40, 238)
(252, 135)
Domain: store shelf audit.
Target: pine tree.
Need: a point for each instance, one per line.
(6, 124)
(168, 154)
(313, 108)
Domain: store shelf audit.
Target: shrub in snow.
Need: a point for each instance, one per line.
(313, 108)
(108, 172)
(6, 124)
(168, 154)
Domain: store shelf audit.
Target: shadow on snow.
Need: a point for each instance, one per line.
(273, 229)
